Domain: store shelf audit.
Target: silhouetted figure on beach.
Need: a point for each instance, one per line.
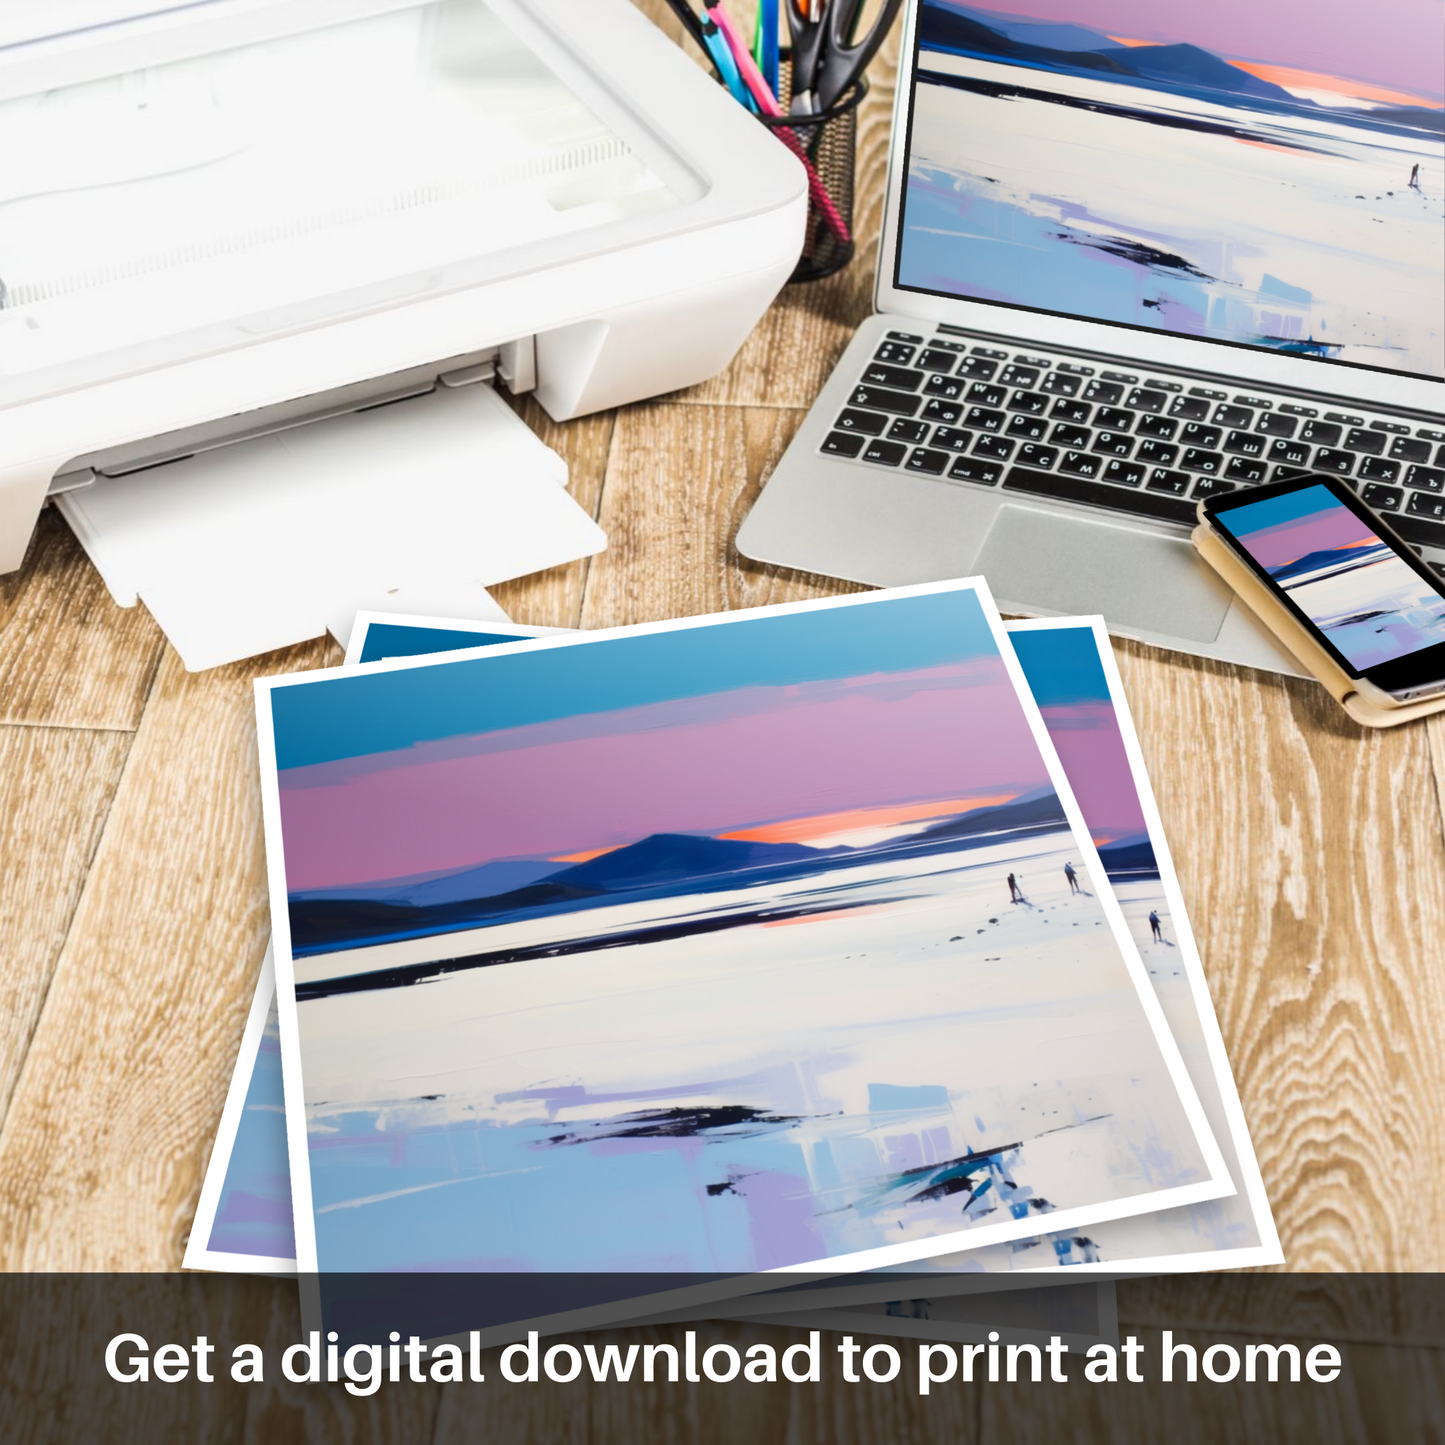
(1014, 896)
(1154, 927)
(1415, 176)
(1072, 877)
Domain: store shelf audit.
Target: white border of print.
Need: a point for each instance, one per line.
(364, 620)
(1215, 1186)
(198, 1255)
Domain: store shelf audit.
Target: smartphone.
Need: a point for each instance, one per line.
(1336, 566)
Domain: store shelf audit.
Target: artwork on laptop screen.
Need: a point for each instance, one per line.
(1267, 172)
(742, 943)
(1371, 606)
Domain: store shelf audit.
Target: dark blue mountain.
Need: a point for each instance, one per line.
(1328, 557)
(1037, 809)
(447, 887)
(676, 857)
(1129, 855)
(1191, 66)
(945, 29)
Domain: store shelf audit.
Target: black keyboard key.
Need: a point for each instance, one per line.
(878, 398)
(1073, 488)
(1344, 418)
(1207, 394)
(1070, 435)
(1241, 469)
(948, 387)
(1037, 361)
(1271, 424)
(1124, 474)
(1076, 411)
(1377, 469)
(1058, 383)
(1175, 483)
(1424, 504)
(1394, 427)
(1245, 444)
(1077, 370)
(1419, 530)
(1322, 433)
(905, 336)
(1157, 426)
(1212, 486)
(1107, 392)
(935, 409)
(1127, 377)
(1290, 474)
(1143, 398)
(1112, 444)
(1156, 454)
(1020, 376)
(1081, 464)
(1042, 457)
(924, 459)
(1035, 403)
(1293, 410)
(1440, 457)
(976, 368)
(954, 438)
(982, 394)
(1189, 408)
(935, 360)
(995, 447)
(1372, 443)
(1327, 459)
(867, 422)
(971, 469)
(1292, 454)
(1113, 418)
(1233, 416)
(1031, 428)
(886, 454)
(1405, 449)
(959, 346)
(1199, 460)
(876, 373)
(983, 419)
(1427, 479)
(1429, 434)
(1162, 385)
(843, 444)
(895, 353)
(1381, 498)
(905, 430)
(987, 351)
(1195, 435)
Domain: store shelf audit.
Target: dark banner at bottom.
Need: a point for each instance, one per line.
(1221, 1357)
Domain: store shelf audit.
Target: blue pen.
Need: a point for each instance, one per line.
(768, 28)
(727, 67)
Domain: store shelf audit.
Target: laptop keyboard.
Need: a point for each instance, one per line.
(1147, 445)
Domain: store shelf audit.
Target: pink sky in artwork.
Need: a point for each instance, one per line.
(1391, 42)
(1092, 751)
(709, 764)
(1334, 527)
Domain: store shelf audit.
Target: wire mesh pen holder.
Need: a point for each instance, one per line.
(827, 144)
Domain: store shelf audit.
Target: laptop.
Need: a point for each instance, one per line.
(1134, 254)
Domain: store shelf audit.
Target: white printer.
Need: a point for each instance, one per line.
(226, 219)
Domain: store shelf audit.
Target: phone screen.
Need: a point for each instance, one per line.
(1369, 604)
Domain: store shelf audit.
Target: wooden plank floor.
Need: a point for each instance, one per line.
(132, 900)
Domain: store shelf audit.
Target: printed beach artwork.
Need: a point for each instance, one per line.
(1372, 606)
(698, 949)
(1272, 175)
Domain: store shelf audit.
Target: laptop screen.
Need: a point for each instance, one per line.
(1267, 173)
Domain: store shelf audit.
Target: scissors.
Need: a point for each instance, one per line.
(827, 54)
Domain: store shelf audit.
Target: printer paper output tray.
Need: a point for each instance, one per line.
(415, 506)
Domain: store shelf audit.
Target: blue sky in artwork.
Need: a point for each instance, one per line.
(352, 715)
(1061, 665)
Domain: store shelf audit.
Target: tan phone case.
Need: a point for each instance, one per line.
(1298, 639)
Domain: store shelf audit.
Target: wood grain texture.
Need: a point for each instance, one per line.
(56, 786)
(69, 657)
(1311, 858)
(679, 482)
(103, 1147)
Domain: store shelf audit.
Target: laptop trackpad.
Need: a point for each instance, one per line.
(1070, 565)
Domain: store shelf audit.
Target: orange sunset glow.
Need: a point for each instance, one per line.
(825, 825)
